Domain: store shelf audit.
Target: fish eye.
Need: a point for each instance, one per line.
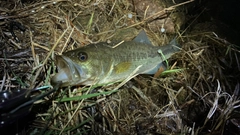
(82, 56)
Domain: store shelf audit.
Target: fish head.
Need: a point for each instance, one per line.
(76, 67)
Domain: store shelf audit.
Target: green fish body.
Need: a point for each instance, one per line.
(104, 63)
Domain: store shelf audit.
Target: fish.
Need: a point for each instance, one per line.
(104, 63)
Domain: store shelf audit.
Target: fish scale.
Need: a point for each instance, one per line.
(104, 63)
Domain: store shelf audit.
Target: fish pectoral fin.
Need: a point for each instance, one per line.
(156, 68)
(122, 67)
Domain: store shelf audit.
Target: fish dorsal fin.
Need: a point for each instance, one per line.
(142, 38)
(174, 42)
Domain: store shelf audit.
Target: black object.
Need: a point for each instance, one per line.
(9, 101)
(17, 104)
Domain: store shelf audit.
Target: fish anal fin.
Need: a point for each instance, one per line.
(156, 69)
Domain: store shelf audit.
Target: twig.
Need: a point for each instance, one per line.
(162, 12)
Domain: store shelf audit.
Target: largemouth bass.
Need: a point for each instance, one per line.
(104, 63)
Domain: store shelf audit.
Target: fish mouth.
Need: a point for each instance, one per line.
(69, 73)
